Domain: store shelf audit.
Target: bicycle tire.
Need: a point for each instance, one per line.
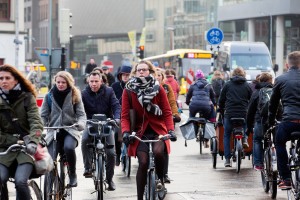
(214, 151)
(238, 154)
(152, 186)
(52, 186)
(273, 184)
(66, 191)
(35, 192)
(99, 180)
(127, 165)
(265, 172)
(201, 139)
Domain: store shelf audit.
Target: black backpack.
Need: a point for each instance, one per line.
(264, 95)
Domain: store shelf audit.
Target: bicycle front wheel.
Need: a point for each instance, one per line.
(273, 184)
(35, 192)
(99, 179)
(127, 165)
(66, 190)
(238, 155)
(52, 186)
(151, 186)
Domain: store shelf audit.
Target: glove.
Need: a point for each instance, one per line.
(176, 118)
(126, 138)
(79, 127)
(31, 148)
(173, 137)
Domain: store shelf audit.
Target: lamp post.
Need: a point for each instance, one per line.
(271, 34)
(171, 29)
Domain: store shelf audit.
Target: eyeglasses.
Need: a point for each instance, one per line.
(142, 70)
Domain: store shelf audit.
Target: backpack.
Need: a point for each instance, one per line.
(263, 102)
(217, 86)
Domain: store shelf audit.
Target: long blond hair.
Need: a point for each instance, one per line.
(26, 85)
(71, 83)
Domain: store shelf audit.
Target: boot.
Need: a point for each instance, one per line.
(73, 180)
(111, 186)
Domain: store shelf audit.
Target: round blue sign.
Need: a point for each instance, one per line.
(214, 36)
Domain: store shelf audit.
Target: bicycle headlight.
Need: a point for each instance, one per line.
(100, 145)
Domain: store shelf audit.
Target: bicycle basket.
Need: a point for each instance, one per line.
(188, 131)
(209, 130)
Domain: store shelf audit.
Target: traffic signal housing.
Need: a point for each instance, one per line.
(140, 52)
(65, 26)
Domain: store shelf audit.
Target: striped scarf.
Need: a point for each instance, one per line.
(146, 89)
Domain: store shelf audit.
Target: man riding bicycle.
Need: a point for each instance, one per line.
(99, 99)
(286, 89)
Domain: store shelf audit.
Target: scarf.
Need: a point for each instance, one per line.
(146, 89)
(10, 96)
(60, 96)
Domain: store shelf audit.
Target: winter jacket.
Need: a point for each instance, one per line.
(200, 94)
(89, 68)
(118, 88)
(159, 124)
(217, 85)
(171, 98)
(102, 102)
(234, 98)
(26, 111)
(67, 115)
(110, 79)
(286, 89)
(173, 83)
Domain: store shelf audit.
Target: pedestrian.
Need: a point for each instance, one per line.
(233, 103)
(118, 87)
(286, 89)
(62, 106)
(153, 118)
(109, 76)
(170, 79)
(100, 99)
(17, 101)
(90, 66)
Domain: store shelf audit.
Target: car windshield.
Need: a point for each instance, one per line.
(251, 61)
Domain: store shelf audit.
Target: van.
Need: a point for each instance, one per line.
(253, 57)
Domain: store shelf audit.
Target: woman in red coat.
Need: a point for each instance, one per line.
(153, 118)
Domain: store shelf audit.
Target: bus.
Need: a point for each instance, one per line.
(183, 60)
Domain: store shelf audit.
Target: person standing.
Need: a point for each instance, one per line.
(63, 106)
(233, 103)
(118, 87)
(90, 66)
(100, 99)
(17, 100)
(286, 89)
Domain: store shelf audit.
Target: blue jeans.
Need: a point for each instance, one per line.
(258, 151)
(283, 135)
(227, 133)
(22, 174)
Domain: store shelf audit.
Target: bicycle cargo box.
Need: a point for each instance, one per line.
(188, 130)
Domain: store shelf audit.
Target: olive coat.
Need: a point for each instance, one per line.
(26, 111)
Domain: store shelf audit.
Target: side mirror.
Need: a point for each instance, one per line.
(275, 68)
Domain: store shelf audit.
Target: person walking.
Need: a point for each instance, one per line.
(90, 66)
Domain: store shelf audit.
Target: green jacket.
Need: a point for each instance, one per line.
(27, 113)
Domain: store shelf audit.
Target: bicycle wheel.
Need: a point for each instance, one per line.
(152, 186)
(66, 191)
(52, 186)
(264, 173)
(35, 192)
(127, 165)
(99, 179)
(214, 151)
(201, 138)
(273, 184)
(238, 155)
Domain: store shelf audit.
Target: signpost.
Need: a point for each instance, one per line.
(214, 36)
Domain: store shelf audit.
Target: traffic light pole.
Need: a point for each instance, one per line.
(63, 58)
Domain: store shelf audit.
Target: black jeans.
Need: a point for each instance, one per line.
(22, 174)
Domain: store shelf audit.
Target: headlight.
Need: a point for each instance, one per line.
(100, 145)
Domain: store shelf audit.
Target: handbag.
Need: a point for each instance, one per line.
(209, 131)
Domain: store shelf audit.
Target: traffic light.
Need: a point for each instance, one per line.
(64, 26)
(140, 52)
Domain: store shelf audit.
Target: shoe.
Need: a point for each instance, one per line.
(227, 162)
(73, 180)
(206, 145)
(258, 168)
(88, 173)
(111, 186)
(285, 184)
(245, 143)
(118, 161)
(167, 179)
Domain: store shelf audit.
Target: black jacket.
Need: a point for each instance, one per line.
(253, 111)
(286, 88)
(234, 98)
(118, 88)
(102, 102)
(201, 94)
(89, 68)
(110, 79)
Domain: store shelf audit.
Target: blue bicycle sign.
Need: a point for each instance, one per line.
(214, 36)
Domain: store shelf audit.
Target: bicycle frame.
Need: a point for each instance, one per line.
(237, 134)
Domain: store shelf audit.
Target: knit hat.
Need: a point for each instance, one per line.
(199, 74)
(124, 70)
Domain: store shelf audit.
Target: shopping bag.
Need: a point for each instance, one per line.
(43, 161)
(188, 130)
(209, 130)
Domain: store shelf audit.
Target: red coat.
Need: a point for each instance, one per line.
(160, 124)
(173, 83)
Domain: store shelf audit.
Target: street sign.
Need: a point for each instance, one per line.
(43, 54)
(214, 36)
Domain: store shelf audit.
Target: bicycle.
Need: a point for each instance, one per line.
(99, 128)
(154, 188)
(294, 165)
(237, 132)
(55, 187)
(35, 192)
(269, 174)
(200, 126)
(126, 161)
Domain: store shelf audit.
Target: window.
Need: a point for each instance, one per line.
(150, 14)
(4, 10)
(29, 14)
(150, 37)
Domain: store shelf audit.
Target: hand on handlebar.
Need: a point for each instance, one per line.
(173, 137)
(31, 148)
(126, 139)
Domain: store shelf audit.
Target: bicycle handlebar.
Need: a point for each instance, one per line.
(160, 138)
(107, 121)
(61, 127)
(15, 147)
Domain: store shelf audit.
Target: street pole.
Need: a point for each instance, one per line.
(271, 36)
(16, 41)
(50, 42)
(63, 58)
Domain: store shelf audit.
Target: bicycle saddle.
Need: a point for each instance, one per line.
(237, 121)
(295, 135)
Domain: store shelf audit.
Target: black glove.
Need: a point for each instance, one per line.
(176, 118)
(173, 137)
(126, 139)
(31, 148)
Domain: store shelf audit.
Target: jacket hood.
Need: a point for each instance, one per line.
(260, 85)
(124, 70)
(201, 83)
(238, 79)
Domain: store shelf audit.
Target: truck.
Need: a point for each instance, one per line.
(253, 57)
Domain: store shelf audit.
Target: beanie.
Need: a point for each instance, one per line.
(199, 74)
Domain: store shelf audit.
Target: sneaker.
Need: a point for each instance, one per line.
(245, 143)
(167, 179)
(87, 173)
(285, 184)
(227, 162)
(73, 180)
(258, 168)
(111, 186)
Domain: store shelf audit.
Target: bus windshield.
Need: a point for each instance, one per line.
(195, 64)
(251, 61)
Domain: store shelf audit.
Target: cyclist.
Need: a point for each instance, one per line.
(99, 99)
(233, 103)
(286, 88)
(63, 106)
(153, 118)
(17, 100)
(170, 79)
(118, 87)
(160, 76)
(254, 119)
(217, 83)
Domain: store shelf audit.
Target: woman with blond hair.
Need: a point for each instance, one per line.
(63, 106)
(17, 100)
